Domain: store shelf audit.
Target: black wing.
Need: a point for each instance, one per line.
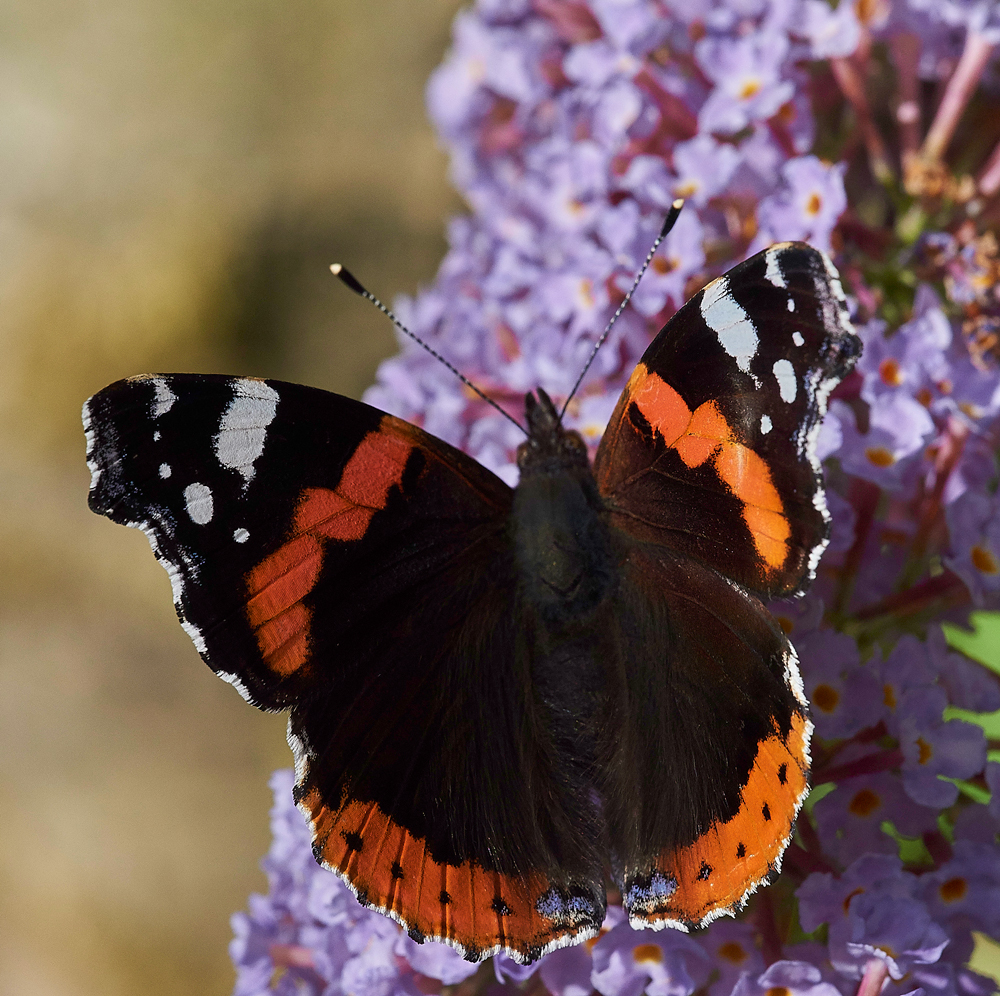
(329, 559)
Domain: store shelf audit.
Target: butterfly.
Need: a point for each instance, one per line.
(502, 698)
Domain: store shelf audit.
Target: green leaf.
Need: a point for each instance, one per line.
(912, 850)
(819, 792)
(983, 643)
(974, 792)
(989, 721)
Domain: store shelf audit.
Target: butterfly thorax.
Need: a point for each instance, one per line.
(562, 540)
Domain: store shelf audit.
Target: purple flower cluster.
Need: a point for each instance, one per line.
(572, 125)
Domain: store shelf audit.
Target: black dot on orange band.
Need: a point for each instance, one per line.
(500, 907)
(416, 934)
(783, 774)
(766, 811)
(704, 871)
(396, 870)
(352, 840)
(741, 851)
(444, 898)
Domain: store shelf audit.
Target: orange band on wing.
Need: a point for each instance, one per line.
(394, 872)
(705, 433)
(277, 585)
(719, 870)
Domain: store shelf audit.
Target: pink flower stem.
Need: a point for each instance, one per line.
(874, 978)
(906, 55)
(870, 764)
(960, 88)
(768, 926)
(851, 82)
(936, 594)
(989, 176)
(930, 512)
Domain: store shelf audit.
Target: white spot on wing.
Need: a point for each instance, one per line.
(243, 428)
(165, 470)
(791, 304)
(765, 424)
(156, 436)
(164, 399)
(198, 502)
(797, 338)
(784, 373)
(773, 272)
(240, 535)
(730, 323)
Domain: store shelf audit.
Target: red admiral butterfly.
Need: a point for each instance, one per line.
(498, 697)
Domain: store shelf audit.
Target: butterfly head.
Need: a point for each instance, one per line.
(549, 447)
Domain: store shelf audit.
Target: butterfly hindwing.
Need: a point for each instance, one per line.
(332, 560)
(715, 742)
(712, 447)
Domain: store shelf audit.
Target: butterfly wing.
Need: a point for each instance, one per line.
(712, 756)
(711, 449)
(710, 474)
(332, 560)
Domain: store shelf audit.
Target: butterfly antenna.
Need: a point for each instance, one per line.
(675, 210)
(352, 281)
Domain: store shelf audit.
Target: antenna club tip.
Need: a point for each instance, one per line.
(672, 215)
(345, 276)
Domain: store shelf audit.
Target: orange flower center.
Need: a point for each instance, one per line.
(647, 954)
(953, 890)
(983, 560)
(733, 952)
(825, 698)
(926, 750)
(864, 803)
(890, 373)
(879, 456)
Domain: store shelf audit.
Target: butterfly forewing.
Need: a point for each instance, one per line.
(712, 447)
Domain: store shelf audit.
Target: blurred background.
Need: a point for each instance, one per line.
(177, 177)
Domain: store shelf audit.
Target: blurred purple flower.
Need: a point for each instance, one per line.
(845, 694)
(806, 206)
(733, 949)
(628, 962)
(974, 529)
(849, 820)
(934, 750)
(749, 81)
(969, 685)
(898, 428)
(571, 126)
(798, 978)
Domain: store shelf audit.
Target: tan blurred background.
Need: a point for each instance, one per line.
(175, 178)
